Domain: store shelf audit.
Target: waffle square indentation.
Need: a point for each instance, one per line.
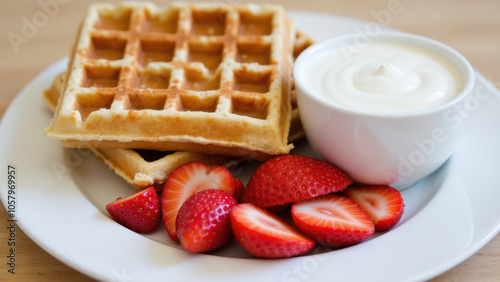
(209, 55)
(251, 24)
(107, 48)
(247, 81)
(119, 21)
(101, 77)
(147, 101)
(208, 23)
(254, 107)
(150, 80)
(197, 103)
(196, 82)
(254, 53)
(88, 103)
(162, 22)
(156, 51)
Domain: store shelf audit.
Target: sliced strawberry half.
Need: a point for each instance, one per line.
(186, 180)
(139, 212)
(264, 234)
(291, 178)
(384, 204)
(332, 220)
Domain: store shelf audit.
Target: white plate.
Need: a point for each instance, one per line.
(61, 196)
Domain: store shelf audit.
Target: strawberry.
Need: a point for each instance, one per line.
(384, 204)
(292, 178)
(203, 222)
(332, 220)
(139, 212)
(186, 180)
(264, 234)
(238, 189)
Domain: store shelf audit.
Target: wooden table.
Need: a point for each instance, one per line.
(471, 27)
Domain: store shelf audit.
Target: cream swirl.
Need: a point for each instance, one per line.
(385, 77)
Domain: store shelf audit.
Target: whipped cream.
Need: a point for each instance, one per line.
(384, 77)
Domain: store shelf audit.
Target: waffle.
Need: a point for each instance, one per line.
(201, 77)
(144, 168)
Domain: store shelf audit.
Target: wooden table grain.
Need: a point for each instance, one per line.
(37, 33)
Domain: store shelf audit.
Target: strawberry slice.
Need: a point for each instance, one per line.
(264, 234)
(186, 180)
(291, 178)
(332, 220)
(203, 223)
(384, 204)
(139, 212)
(238, 188)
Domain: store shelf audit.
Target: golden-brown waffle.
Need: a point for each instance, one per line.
(142, 169)
(198, 77)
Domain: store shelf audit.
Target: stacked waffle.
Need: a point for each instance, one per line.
(149, 89)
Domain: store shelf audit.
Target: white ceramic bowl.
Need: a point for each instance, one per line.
(380, 148)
